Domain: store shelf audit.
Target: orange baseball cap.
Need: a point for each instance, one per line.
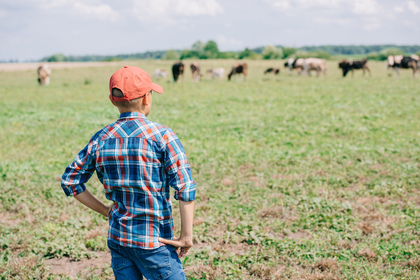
(133, 81)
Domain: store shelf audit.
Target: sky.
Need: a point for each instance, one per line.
(33, 29)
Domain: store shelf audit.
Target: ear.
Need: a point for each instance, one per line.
(145, 100)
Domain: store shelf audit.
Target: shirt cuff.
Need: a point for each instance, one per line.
(74, 189)
(187, 193)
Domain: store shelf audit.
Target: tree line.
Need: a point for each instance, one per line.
(210, 50)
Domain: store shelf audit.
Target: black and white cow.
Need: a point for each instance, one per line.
(405, 62)
(275, 71)
(348, 66)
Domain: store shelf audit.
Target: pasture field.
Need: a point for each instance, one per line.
(298, 177)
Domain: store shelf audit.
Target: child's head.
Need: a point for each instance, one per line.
(131, 90)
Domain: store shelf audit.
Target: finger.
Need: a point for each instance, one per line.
(183, 252)
(172, 242)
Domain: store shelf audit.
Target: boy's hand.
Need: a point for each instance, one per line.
(110, 208)
(182, 243)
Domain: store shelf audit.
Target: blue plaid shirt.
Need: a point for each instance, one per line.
(137, 161)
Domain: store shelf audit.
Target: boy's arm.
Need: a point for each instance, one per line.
(184, 242)
(93, 203)
(179, 177)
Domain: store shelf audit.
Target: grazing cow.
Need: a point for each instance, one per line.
(239, 68)
(316, 64)
(417, 58)
(292, 63)
(405, 62)
(44, 74)
(216, 72)
(306, 65)
(347, 66)
(272, 70)
(160, 74)
(196, 71)
(178, 70)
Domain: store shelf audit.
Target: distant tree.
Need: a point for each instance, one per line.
(226, 55)
(392, 51)
(287, 52)
(56, 58)
(316, 54)
(383, 55)
(245, 53)
(198, 46)
(185, 54)
(172, 55)
(210, 50)
(196, 50)
(271, 52)
(113, 58)
(376, 56)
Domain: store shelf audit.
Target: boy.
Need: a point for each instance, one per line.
(137, 161)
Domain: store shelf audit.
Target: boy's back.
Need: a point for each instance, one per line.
(137, 161)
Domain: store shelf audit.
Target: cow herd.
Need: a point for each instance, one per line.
(219, 72)
(302, 65)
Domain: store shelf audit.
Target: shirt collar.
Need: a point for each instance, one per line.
(131, 115)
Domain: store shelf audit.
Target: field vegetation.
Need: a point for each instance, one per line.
(298, 177)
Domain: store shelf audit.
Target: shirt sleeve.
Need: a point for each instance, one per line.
(178, 168)
(79, 171)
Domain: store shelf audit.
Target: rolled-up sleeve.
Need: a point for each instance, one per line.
(79, 172)
(178, 168)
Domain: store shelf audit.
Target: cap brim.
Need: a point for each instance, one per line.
(157, 88)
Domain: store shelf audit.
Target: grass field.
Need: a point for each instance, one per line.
(298, 177)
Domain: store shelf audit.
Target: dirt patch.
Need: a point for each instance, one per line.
(227, 182)
(7, 219)
(208, 271)
(367, 254)
(326, 264)
(320, 276)
(274, 212)
(346, 245)
(414, 264)
(367, 228)
(267, 272)
(299, 235)
(69, 267)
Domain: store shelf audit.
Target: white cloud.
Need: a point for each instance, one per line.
(330, 20)
(228, 41)
(302, 4)
(101, 11)
(358, 7)
(3, 13)
(365, 7)
(198, 7)
(410, 23)
(168, 10)
(90, 8)
(371, 24)
(280, 4)
(399, 9)
(318, 3)
(413, 7)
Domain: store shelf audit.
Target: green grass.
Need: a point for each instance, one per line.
(298, 177)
